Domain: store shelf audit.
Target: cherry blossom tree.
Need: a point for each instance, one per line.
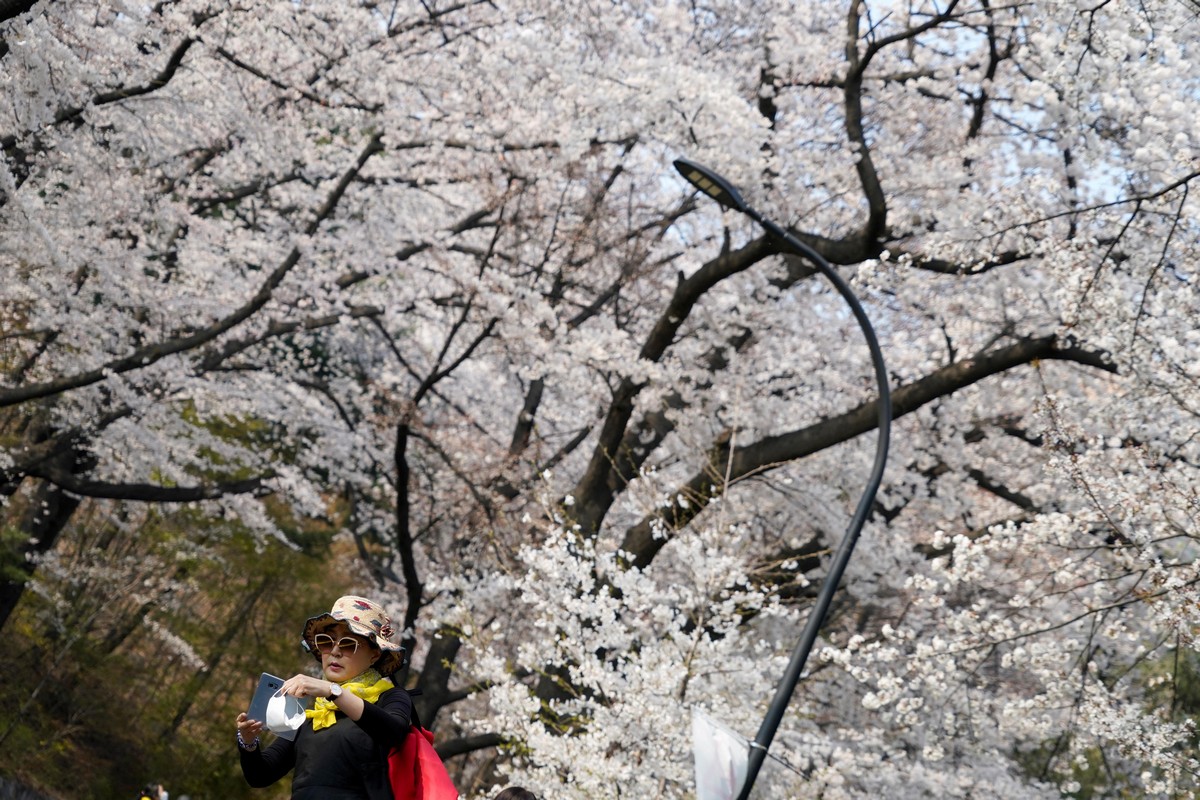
(427, 271)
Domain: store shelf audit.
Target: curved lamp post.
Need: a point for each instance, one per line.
(723, 192)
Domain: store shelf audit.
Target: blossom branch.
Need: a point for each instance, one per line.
(642, 542)
(144, 356)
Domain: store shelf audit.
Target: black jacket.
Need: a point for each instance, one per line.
(346, 761)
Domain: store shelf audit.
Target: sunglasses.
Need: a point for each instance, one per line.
(325, 644)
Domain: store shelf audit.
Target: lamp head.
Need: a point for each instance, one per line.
(711, 184)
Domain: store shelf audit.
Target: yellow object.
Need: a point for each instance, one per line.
(368, 686)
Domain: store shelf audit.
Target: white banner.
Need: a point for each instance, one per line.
(721, 756)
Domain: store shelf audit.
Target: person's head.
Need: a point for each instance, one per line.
(355, 635)
(516, 793)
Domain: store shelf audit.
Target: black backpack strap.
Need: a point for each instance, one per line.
(416, 719)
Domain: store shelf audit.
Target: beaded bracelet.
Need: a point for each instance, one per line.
(242, 743)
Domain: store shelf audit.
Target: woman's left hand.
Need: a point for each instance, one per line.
(306, 686)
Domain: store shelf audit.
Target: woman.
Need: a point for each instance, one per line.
(341, 751)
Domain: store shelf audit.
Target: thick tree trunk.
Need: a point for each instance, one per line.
(40, 518)
(434, 681)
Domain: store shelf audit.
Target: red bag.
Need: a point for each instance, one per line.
(416, 772)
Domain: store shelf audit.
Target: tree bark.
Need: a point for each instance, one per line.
(47, 512)
(642, 541)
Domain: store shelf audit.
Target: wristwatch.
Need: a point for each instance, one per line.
(335, 691)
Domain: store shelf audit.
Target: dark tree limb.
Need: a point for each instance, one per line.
(104, 98)
(150, 354)
(46, 514)
(989, 484)
(149, 492)
(594, 492)
(434, 682)
(468, 744)
(641, 543)
(413, 588)
(277, 328)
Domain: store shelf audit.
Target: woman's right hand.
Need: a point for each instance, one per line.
(248, 729)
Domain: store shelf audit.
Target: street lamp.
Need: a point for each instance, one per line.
(724, 193)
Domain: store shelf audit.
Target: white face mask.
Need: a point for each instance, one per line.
(285, 714)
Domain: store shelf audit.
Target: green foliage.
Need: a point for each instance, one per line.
(131, 664)
(12, 560)
(255, 434)
(1179, 694)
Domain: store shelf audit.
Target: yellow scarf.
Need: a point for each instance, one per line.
(368, 686)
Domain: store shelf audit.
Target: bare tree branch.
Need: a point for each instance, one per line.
(468, 744)
(151, 493)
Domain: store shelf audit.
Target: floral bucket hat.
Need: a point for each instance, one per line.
(366, 618)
